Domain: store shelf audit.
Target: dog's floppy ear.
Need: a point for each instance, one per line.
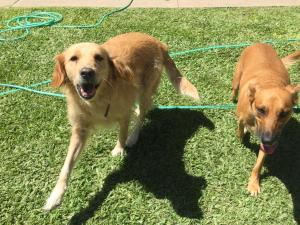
(59, 74)
(252, 88)
(293, 89)
(121, 70)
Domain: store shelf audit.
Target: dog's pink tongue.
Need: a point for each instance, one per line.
(269, 149)
(88, 92)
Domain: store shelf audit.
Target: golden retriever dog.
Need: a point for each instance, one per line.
(102, 83)
(265, 102)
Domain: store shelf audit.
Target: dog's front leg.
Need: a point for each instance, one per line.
(77, 142)
(119, 148)
(241, 129)
(236, 81)
(253, 185)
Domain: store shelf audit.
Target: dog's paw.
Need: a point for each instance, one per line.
(133, 138)
(117, 151)
(253, 187)
(54, 200)
(137, 111)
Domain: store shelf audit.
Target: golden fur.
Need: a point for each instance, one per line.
(265, 102)
(102, 82)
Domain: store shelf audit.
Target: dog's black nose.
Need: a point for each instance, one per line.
(268, 138)
(87, 73)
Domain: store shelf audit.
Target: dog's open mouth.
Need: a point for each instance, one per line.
(87, 91)
(269, 149)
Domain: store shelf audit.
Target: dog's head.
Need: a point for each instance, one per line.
(84, 65)
(272, 108)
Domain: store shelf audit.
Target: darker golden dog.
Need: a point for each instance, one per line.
(265, 102)
(102, 82)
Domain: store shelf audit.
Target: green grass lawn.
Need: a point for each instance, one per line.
(188, 166)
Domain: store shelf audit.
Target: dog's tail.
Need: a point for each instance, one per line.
(291, 59)
(181, 84)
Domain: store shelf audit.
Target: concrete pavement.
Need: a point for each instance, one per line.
(148, 3)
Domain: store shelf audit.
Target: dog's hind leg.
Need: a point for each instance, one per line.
(145, 103)
(77, 142)
(119, 148)
(236, 81)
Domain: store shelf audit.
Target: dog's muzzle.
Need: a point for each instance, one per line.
(87, 86)
(87, 74)
(269, 142)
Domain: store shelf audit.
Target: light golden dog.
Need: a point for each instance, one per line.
(102, 82)
(265, 102)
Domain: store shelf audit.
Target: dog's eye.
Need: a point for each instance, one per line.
(98, 57)
(261, 111)
(74, 58)
(283, 114)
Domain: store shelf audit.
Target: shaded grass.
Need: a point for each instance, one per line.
(188, 166)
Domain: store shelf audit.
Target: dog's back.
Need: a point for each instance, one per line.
(136, 50)
(263, 66)
(146, 57)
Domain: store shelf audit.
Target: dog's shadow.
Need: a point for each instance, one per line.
(156, 162)
(285, 162)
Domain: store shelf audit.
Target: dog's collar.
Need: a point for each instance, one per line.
(107, 110)
(108, 105)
